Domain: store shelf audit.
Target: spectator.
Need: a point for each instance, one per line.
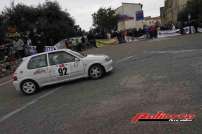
(152, 31)
(67, 44)
(118, 34)
(126, 36)
(83, 43)
(83, 40)
(108, 36)
(146, 32)
(28, 46)
(91, 40)
(39, 43)
(19, 46)
(2, 50)
(195, 24)
(173, 27)
(155, 32)
(33, 50)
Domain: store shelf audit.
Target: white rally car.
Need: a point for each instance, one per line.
(58, 66)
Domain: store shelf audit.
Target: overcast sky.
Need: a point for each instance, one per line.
(81, 10)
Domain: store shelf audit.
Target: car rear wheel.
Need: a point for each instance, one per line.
(29, 87)
(96, 71)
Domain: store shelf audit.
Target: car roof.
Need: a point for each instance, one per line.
(58, 50)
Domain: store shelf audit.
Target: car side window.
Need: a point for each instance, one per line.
(38, 62)
(60, 58)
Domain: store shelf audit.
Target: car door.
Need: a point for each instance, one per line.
(38, 69)
(77, 68)
(60, 63)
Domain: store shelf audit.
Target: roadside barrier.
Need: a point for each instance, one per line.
(106, 42)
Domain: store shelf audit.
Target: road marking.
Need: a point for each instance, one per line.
(160, 52)
(4, 83)
(7, 116)
(173, 51)
(124, 59)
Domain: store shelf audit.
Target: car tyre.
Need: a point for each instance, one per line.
(96, 72)
(29, 87)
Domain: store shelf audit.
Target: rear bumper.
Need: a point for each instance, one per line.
(108, 66)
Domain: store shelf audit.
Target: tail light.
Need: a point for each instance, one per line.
(14, 77)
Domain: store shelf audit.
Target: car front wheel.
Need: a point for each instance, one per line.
(96, 71)
(29, 87)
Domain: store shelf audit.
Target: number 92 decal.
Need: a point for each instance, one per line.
(62, 71)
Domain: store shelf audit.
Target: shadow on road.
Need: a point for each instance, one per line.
(71, 83)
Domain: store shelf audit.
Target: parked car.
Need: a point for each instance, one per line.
(58, 66)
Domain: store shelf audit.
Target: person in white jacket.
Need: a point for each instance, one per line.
(19, 46)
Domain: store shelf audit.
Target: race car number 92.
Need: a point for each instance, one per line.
(62, 71)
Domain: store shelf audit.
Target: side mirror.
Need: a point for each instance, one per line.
(77, 59)
(84, 54)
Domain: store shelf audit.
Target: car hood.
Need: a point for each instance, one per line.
(95, 57)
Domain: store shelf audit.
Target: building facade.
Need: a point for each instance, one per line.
(128, 16)
(150, 21)
(169, 13)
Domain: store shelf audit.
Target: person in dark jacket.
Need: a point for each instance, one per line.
(39, 42)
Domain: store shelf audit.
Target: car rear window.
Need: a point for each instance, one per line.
(38, 62)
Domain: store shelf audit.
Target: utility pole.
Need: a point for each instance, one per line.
(189, 20)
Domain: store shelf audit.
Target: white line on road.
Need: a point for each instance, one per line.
(124, 59)
(173, 51)
(7, 116)
(4, 83)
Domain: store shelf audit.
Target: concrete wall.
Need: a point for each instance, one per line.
(149, 21)
(130, 10)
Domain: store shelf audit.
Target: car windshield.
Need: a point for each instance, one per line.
(80, 55)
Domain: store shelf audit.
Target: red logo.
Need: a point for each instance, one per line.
(161, 116)
(39, 71)
(61, 65)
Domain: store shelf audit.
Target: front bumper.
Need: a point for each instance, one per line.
(108, 66)
(16, 84)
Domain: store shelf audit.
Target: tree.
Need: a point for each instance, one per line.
(105, 20)
(2, 29)
(48, 18)
(193, 8)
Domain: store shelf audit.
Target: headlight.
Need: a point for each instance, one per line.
(107, 59)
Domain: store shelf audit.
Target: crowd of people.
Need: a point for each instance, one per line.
(20, 46)
(15, 47)
(148, 32)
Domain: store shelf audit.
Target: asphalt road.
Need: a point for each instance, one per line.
(149, 76)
